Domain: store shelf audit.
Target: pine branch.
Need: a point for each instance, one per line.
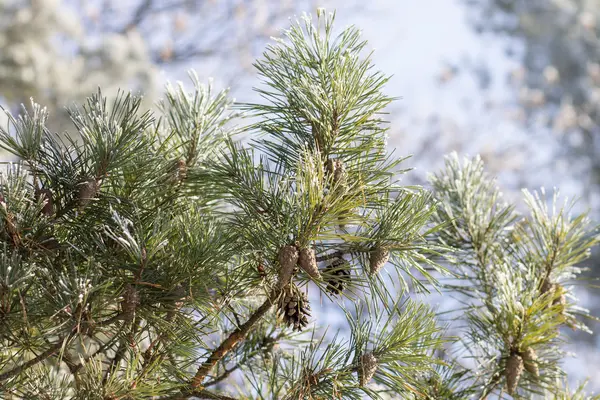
(234, 338)
(139, 15)
(114, 362)
(237, 366)
(36, 360)
(203, 394)
(200, 394)
(101, 349)
(225, 374)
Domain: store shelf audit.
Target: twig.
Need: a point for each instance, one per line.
(203, 394)
(100, 349)
(229, 371)
(234, 338)
(200, 394)
(48, 353)
(114, 362)
(224, 375)
(43, 356)
(110, 320)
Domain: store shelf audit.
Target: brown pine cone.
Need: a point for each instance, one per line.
(339, 175)
(87, 191)
(46, 196)
(530, 361)
(547, 286)
(308, 262)
(378, 257)
(335, 168)
(367, 367)
(288, 258)
(294, 307)
(337, 276)
(513, 371)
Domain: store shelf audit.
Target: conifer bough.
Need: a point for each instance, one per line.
(128, 250)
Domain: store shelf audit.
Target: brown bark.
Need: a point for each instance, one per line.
(236, 336)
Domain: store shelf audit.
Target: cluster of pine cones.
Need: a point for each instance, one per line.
(293, 305)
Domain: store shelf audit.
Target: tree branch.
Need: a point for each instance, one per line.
(100, 349)
(41, 357)
(234, 338)
(138, 15)
(224, 375)
(200, 394)
(203, 394)
(50, 351)
(229, 371)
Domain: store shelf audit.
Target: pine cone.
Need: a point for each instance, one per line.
(87, 191)
(367, 367)
(530, 361)
(308, 262)
(46, 196)
(288, 258)
(294, 307)
(337, 276)
(175, 301)
(513, 371)
(377, 259)
(131, 299)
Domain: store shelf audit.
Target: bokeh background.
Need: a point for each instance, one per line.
(517, 81)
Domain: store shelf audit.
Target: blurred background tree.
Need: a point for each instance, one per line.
(60, 51)
(557, 84)
(554, 84)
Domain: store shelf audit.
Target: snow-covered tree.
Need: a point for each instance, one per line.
(155, 255)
